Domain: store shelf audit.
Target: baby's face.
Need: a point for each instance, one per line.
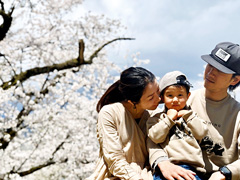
(175, 97)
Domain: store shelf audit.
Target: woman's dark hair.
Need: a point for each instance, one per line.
(231, 87)
(131, 85)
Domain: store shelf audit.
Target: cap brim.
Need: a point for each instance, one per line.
(216, 64)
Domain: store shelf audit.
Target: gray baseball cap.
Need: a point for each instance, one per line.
(225, 57)
(173, 78)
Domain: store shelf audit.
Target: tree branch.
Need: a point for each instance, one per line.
(36, 168)
(40, 70)
(4, 143)
(81, 51)
(109, 42)
(7, 21)
(62, 66)
(46, 164)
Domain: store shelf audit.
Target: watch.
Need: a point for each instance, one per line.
(226, 172)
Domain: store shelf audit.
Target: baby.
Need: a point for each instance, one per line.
(177, 129)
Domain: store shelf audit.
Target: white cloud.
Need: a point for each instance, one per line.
(172, 31)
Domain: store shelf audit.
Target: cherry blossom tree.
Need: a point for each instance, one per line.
(53, 69)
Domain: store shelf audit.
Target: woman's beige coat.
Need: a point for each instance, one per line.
(123, 153)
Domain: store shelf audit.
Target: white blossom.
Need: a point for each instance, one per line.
(60, 125)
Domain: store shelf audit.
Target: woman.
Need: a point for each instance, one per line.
(121, 126)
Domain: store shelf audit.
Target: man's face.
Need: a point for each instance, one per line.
(215, 80)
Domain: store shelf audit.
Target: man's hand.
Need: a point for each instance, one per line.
(217, 176)
(171, 171)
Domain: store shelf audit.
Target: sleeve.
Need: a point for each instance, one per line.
(158, 127)
(156, 153)
(235, 166)
(197, 125)
(110, 142)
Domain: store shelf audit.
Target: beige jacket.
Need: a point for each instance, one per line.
(223, 119)
(123, 153)
(222, 147)
(180, 138)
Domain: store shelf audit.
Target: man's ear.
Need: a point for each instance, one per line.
(188, 95)
(236, 80)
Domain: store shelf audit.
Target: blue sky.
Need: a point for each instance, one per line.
(172, 34)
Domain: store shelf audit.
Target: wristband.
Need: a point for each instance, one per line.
(226, 172)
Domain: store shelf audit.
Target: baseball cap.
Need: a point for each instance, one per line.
(225, 57)
(173, 78)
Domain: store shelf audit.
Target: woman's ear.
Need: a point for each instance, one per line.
(132, 103)
(129, 101)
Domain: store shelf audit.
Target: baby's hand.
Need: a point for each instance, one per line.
(172, 114)
(182, 112)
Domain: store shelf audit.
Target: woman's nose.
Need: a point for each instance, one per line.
(158, 99)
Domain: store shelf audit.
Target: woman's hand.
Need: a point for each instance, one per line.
(217, 176)
(171, 171)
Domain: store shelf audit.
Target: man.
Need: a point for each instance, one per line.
(221, 147)
(221, 111)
